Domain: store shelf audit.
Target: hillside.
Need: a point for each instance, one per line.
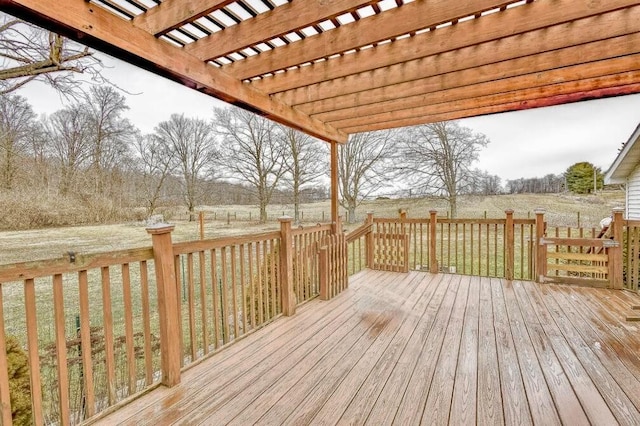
(562, 209)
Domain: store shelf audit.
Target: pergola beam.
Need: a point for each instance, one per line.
(266, 26)
(601, 58)
(172, 14)
(365, 85)
(497, 109)
(518, 20)
(98, 28)
(393, 23)
(609, 85)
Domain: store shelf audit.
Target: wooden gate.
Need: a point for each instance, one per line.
(391, 252)
(582, 261)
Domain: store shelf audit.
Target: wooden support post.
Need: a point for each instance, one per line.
(334, 182)
(201, 222)
(541, 249)
(433, 261)
(286, 267)
(615, 253)
(336, 226)
(369, 241)
(168, 302)
(323, 260)
(509, 242)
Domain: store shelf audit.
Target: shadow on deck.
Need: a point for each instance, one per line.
(406, 348)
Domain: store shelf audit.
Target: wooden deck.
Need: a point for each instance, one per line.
(411, 348)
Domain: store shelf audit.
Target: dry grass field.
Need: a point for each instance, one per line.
(562, 209)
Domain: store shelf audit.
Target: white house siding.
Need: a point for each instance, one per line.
(633, 194)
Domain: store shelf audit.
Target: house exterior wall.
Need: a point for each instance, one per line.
(633, 194)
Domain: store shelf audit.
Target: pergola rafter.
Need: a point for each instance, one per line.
(330, 68)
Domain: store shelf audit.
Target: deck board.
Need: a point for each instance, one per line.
(420, 348)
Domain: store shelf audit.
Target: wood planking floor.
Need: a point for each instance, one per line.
(421, 348)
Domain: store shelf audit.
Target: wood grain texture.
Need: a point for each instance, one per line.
(420, 348)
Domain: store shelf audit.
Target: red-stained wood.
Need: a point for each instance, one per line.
(5, 400)
(107, 317)
(61, 351)
(146, 321)
(128, 327)
(191, 297)
(85, 344)
(168, 304)
(33, 351)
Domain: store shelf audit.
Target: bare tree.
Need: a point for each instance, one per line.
(30, 53)
(154, 166)
(110, 133)
(437, 158)
(252, 152)
(193, 148)
(17, 121)
(70, 144)
(305, 160)
(362, 162)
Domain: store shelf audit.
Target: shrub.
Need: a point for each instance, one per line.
(19, 384)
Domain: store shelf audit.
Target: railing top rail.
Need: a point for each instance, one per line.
(311, 229)
(358, 232)
(524, 221)
(482, 221)
(583, 242)
(214, 243)
(71, 263)
(630, 222)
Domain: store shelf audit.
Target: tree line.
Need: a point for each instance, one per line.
(90, 154)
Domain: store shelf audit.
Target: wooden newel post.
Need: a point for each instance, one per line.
(369, 241)
(540, 248)
(286, 267)
(509, 245)
(433, 261)
(615, 252)
(168, 302)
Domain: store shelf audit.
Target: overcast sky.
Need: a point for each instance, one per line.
(523, 144)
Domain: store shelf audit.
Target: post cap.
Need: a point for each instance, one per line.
(509, 211)
(618, 209)
(285, 218)
(160, 228)
(539, 210)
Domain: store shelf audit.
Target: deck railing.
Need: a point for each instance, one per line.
(306, 272)
(99, 329)
(98, 314)
(227, 288)
(484, 247)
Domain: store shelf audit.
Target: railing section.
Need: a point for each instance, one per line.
(333, 266)
(482, 247)
(306, 246)
(358, 244)
(227, 287)
(88, 326)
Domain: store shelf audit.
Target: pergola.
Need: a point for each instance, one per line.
(335, 67)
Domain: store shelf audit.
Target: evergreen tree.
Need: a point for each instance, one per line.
(580, 178)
